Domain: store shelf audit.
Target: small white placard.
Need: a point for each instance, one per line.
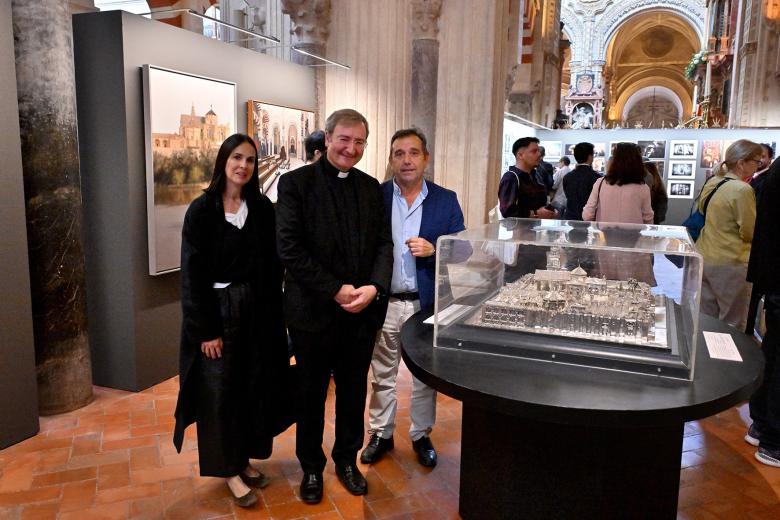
(721, 346)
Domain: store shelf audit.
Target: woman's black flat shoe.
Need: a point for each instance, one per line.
(247, 500)
(258, 482)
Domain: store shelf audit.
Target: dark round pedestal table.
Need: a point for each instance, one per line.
(543, 440)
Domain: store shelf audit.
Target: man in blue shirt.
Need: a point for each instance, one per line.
(420, 212)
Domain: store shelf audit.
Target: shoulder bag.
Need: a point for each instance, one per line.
(696, 220)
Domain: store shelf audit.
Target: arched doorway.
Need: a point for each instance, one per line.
(644, 77)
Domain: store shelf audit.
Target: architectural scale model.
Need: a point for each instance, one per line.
(558, 301)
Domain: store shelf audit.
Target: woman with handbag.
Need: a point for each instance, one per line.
(725, 239)
(234, 359)
(623, 197)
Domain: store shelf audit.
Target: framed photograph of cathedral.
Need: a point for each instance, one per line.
(683, 149)
(278, 132)
(682, 169)
(187, 117)
(680, 189)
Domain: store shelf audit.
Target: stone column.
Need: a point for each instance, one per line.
(311, 28)
(425, 71)
(50, 162)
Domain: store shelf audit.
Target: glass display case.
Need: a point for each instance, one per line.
(614, 296)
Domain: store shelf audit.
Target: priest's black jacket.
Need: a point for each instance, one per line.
(202, 237)
(314, 253)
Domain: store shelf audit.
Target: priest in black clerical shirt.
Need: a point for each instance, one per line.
(336, 245)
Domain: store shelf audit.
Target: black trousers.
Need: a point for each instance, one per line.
(345, 348)
(229, 419)
(765, 402)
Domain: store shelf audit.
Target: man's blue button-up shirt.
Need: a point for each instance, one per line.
(406, 222)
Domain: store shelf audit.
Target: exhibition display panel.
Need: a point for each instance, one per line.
(582, 293)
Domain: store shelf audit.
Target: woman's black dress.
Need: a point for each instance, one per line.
(241, 400)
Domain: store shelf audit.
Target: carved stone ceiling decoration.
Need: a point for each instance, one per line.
(657, 42)
(592, 24)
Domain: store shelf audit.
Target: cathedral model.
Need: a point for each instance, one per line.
(558, 301)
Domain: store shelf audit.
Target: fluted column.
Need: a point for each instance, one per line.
(425, 71)
(311, 27)
(50, 162)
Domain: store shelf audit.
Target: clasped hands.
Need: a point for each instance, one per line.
(355, 300)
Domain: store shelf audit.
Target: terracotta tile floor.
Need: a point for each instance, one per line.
(114, 459)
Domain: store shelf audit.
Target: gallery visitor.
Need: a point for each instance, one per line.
(578, 183)
(520, 193)
(335, 243)
(621, 195)
(233, 345)
(419, 212)
(659, 200)
(763, 272)
(727, 234)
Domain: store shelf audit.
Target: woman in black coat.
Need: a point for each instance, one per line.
(234, 345)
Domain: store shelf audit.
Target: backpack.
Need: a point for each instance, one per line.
(494, 215)
(696, 220)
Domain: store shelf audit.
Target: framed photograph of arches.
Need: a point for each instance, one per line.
(680, 189)
(278, 132)
(187, 117)
(682, 169)
(682, 149)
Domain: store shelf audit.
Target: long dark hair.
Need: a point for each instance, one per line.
(217, 186)
(657, 190)
(625, 165)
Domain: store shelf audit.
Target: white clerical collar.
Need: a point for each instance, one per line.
(343, 175)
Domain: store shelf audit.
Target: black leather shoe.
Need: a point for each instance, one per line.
(426, 454)
(376, 448)
(311, 488)
(353, 480)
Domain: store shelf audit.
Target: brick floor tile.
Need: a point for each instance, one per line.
(133, 442)
(147, 509)
(29, 496)
(152, 429)
(279, 492)
(113, 475)
(298, 509)
(159, 474)
(53, 460)
(389, 507)
(177, 492)
(116, 511)
(200, 510)
(46, 511)
(105, 496)
(78, 495)
(60, 477)
(352, 507)
(144, 458)
(18, 473)
(99, 459)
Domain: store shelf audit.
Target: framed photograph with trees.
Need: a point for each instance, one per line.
(187, 117)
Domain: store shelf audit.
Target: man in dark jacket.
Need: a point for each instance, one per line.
(579, 182)
(335, 243)
(763, 272)
(545, 171)
(420, 212)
